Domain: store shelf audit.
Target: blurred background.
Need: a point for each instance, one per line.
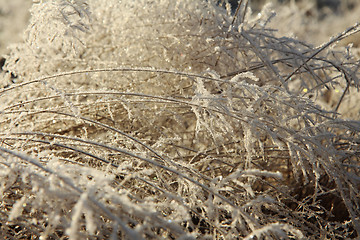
(313, 21)
(336, 6)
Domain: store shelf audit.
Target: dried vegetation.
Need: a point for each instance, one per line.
(176, 120)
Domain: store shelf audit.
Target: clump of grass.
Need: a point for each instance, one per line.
(174, 119)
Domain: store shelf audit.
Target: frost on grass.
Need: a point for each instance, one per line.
(174, 119)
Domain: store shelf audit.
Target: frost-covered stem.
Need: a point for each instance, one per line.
(129, 232)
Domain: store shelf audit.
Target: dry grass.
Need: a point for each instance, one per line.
(177, 120)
